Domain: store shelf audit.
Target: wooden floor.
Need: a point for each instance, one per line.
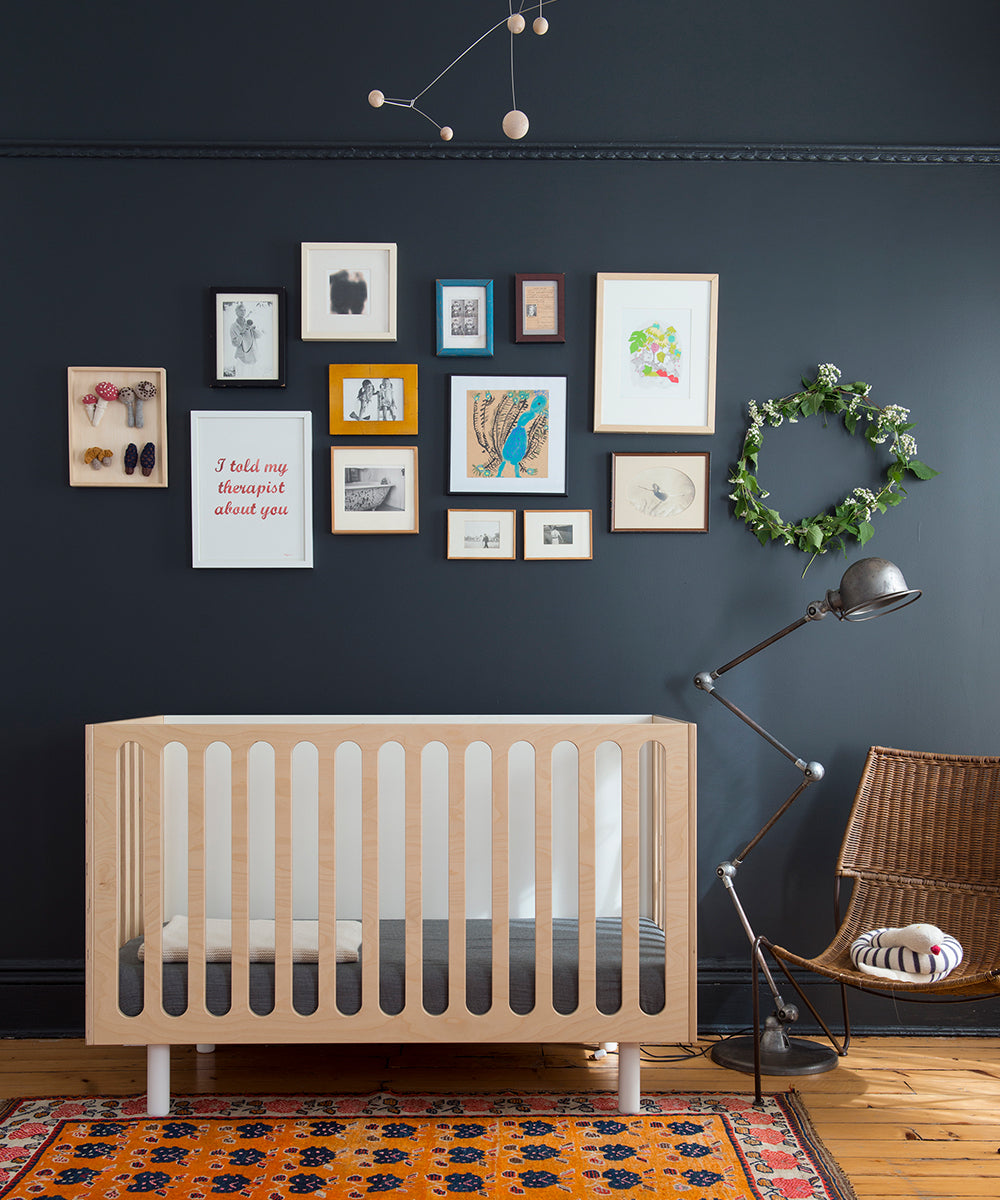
(917, 1118)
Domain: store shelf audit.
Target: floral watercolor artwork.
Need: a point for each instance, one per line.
(655, 354)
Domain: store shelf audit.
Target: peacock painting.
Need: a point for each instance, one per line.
(511, 431)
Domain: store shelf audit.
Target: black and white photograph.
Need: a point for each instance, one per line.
(465, 316)
(558, 533)
(373, 398)
(247, 336)
(480, 533)
(348, 291)
(374, 489)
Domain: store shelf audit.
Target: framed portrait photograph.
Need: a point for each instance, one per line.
(465, 316)
(251, 489)
(665, 492)
(246, 333)
(374, 489)
(558, 533)
(481, 533)
(655, 356)
(348, 291)
(539, 308)
(508, 435)
(373, 398)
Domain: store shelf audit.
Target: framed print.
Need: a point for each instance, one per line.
(373, 398)
(465, 316)
(246, 333)
(374, 489)
(665, 492)
(481, 533)
(251, 489)
(348, 291)
(655, 358)
(508, 435)
(558, 533)
(117, 426)
(539, 308)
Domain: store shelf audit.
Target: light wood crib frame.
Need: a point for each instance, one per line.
(130, 791)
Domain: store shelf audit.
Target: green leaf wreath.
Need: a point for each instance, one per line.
(852, 517)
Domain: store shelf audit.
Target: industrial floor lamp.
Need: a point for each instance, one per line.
(869, 588)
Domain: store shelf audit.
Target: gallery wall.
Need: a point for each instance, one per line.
(694, 139)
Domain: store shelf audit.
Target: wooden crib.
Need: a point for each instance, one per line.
(516, 879)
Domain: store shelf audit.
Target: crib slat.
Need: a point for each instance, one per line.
(413, 878)
(543, 878)
(587, 880)
(500, 905)
(283, 906)
(369, 880)
(240, 810)
(631, 876)
(327, 881)
(457, 765)
(152, 874)
(196, 881)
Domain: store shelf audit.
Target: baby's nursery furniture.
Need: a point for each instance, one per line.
(510, 879)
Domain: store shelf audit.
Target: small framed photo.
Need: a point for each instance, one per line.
(659, 493)
(539, 308)
(246, 333)
(373, 398)
(465, 317)
(374, 489)
(508, 435)
(348, 291)
(655, 356)
(481, 533)
(558, 533)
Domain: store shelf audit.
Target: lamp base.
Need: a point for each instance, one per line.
(779, 1054)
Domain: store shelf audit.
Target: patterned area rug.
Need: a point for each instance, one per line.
(693, 1147)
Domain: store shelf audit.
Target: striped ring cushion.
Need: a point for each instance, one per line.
(897, 962)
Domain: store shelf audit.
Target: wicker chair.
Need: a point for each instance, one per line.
(922, 844)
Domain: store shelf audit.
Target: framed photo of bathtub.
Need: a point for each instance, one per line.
(508, 435)
(374, 489)
(246, 330)
(655, 353)
(665, 492)
(251, 489)
(348, 291)
(373, 398)
(465, 317)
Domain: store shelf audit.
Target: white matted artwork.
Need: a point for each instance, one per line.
(348, 291)
(247, 334)
(553, 533)
(251, 489)
(481, 533)
(655, 353)
(374, 489)
(664, 492)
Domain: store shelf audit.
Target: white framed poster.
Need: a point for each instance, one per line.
(251, 489)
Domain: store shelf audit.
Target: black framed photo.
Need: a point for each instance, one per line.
(246, 332)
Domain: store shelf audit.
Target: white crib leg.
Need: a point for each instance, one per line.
(628, 1077)
(205, 1047)
(158, 1081)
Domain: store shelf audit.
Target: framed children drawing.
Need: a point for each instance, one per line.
(655, 353)
(508, 435)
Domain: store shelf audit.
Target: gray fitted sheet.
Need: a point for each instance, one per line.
(218, 983)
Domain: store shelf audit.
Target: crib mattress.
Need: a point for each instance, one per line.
(305, 976)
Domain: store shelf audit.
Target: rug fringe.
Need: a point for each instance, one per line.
(799, 1114)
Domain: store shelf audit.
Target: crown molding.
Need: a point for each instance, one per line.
(582, 152)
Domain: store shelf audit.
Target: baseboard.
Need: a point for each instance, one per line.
(44, 998)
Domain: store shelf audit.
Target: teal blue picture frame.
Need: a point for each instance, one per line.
(465, 303)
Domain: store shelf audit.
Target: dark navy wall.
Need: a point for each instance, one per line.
(887, 270)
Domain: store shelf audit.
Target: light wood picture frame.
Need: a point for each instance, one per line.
(558, 533)
(662, 492)
(540, 308)
(482, 533)
(374, 489)
(348, 291)
(373, 399)
(107, 414)
(655, 353)
(251, 489)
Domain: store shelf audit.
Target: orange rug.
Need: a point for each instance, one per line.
(688, 1147)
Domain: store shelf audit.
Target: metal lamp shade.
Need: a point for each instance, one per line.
(869, 588)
